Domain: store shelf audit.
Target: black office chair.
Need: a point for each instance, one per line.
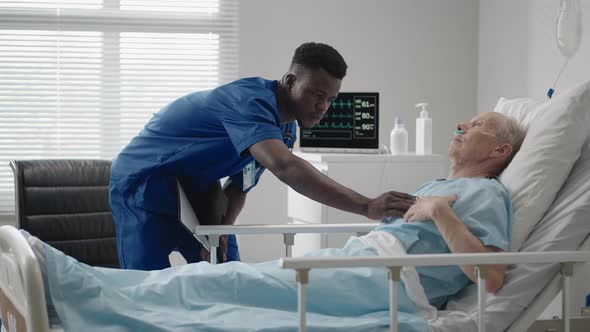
(65, 203)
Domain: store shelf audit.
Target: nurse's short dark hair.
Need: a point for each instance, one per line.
(318, 55)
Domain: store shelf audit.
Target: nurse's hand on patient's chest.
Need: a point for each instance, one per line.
(389, 204)
(426, 206)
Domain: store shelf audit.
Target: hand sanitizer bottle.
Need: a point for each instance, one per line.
(399, 138)
(423, 131)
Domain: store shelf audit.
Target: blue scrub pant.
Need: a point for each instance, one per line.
(145, 239)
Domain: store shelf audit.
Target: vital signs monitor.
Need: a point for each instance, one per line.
(351, 124)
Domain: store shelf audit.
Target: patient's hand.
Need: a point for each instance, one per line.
(426, 206)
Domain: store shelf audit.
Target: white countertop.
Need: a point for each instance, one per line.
(366, 157)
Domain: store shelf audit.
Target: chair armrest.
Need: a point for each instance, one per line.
(284, 229)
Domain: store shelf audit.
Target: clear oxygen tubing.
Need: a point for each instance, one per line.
(461, 131)
(552, 88)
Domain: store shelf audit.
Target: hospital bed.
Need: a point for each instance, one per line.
(22, 297)
(23, 304)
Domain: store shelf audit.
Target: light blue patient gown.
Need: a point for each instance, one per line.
(483, 205)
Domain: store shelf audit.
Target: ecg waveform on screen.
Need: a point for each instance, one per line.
(334, 125)
(342, 104)
(332, 115)
(351, 118)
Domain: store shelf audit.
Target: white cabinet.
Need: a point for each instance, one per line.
(368, 174)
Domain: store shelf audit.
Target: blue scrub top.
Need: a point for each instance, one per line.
(483, 205)
(199, 138)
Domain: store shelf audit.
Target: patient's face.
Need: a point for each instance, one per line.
(478, 139)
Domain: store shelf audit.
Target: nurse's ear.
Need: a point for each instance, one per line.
(289, 80)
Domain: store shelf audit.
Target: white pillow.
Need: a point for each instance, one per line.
(524, 110)
(557, 129)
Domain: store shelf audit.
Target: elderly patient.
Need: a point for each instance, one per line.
(469, 211)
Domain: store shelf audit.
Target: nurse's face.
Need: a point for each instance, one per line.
(311, 92)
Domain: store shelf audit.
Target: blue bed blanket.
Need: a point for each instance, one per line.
(226, 297)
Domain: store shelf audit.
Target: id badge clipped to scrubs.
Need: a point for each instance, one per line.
(249, 175)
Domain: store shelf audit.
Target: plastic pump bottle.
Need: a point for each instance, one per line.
(399, 138)
(423, 131)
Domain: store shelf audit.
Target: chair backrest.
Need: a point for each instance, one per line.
(65, 203)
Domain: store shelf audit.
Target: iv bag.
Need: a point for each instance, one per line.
(569, 27)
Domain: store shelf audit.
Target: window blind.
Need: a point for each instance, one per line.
(79, 78)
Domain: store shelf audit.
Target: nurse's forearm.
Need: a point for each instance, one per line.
(460, 240)
(306, 179)
(236, 199)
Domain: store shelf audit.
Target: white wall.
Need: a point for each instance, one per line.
(518, 54)
(408, 51)
(503, 49)
(518, 57)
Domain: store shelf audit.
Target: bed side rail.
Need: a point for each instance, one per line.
(22, 297)
(289, 231)
(394, 264)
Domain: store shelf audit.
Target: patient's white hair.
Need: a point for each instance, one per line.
(512, 132)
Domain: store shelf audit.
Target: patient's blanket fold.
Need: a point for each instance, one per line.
(226, 297)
